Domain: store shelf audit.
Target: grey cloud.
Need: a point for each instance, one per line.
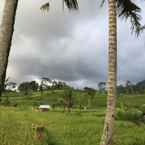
(71, 46)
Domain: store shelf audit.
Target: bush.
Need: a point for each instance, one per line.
(44, 137)
(6, 102)
(130, 141)
(133, 115)
(142, 108)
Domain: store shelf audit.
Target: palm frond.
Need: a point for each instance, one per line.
(45, 7)
(130, 10)
(71, 4)
(142, 28)
(102, 2)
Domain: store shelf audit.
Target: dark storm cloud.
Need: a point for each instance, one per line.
(71, 46)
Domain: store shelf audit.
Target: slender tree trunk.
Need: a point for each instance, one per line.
(2, 86)
(112, 76)
(0, 93)
(6, 33)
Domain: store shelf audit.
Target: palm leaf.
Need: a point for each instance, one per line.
(45, 7)
(142, 28)
(102, 2)
(71, 5)
(130, 10)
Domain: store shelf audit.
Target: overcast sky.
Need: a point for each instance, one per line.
(71, 46)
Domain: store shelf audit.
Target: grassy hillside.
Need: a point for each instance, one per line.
(53, 97)
(75, 128)
(64, 129)
(79, 97)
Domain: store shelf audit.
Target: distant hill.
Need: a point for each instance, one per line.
(141, 84)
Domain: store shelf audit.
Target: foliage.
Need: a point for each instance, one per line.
(59, 85)
(130, 88)
(133, 115)
(71, 5)
(26, 87)
(142, 108)
(91, 93)
(102, 86)
(68, 100)
(33, 86)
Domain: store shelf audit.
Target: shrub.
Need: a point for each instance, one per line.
(142, 108)
(133, 115)
(6, 102)
(137, 141)
(43, 136)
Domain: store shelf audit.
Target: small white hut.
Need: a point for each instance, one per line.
(44, 108)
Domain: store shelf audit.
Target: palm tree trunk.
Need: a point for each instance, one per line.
(6, 33)
(112, 76)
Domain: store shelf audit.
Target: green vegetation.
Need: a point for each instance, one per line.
(20, 116)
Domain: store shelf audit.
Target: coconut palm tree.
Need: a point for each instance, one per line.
(128, 9)
(6, 33)
(112, 75)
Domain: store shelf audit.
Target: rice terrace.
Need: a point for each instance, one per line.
(72, 72)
